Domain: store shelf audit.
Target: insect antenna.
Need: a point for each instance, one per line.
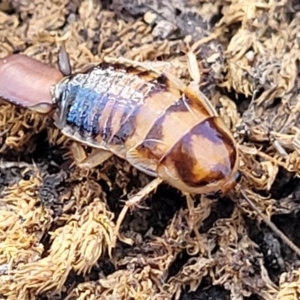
(273, 227)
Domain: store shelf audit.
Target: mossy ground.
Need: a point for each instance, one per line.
(56, 221)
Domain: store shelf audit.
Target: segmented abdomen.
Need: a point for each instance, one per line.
(103, 104)
(140, 117)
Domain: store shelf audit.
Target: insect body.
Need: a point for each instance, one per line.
(149, 119)
(143, 118)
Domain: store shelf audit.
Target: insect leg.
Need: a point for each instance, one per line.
(193, 68)
(194, 85)
(94, 159)
(157, 67)
(134, 202)
(64, 64)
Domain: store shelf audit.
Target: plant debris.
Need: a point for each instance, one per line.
(57, 221)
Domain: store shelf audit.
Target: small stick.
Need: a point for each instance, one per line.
(275, 229)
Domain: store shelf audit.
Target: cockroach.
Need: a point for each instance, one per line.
(147, 117)
(153, 121)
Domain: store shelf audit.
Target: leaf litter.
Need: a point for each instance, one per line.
(57, 221)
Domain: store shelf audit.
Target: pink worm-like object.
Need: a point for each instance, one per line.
(27, 82)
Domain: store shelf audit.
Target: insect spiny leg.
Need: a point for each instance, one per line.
(131, 204)
(64, 64)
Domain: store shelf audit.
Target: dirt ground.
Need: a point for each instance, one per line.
(57, 221)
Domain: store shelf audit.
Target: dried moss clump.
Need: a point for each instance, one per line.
(57, 221)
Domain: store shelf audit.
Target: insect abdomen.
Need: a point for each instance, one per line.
(112, 107)
(103, 106)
